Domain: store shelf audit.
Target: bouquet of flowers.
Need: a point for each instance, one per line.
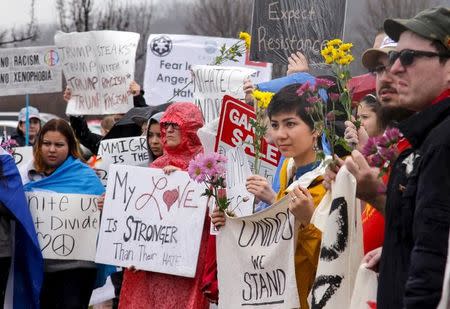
(209, 169)
(8, 144)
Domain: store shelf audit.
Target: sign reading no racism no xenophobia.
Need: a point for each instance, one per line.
(66, 224)
(212, 83)
(30, 70)
(98, 67)
(129, 151)
(255, 260)
(152, 221)
(170, 57)
(282, 27)
(235, 130)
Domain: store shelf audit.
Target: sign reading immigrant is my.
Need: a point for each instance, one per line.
(152, 220)
(255, 260)
(29, 70)
(282, 27)
(66, 224)
(98, 67)
(235, 130)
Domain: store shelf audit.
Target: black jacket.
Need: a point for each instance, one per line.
(417, 214)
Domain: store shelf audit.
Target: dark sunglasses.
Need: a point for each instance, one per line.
(379, 70)
(407, 56)
(172, 124)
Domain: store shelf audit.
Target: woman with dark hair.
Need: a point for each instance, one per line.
(368, 114)
(57, 167)
(143, 289)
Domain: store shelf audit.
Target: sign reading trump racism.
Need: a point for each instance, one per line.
(98, 67)
(152, 220)
(255, 260)
(283, 27)
(29, 70)
(66, 224)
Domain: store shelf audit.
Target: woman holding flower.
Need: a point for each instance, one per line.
(143, 289)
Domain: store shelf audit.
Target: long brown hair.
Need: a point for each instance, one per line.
(61, 126)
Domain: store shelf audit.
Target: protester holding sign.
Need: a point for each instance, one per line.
(57, 168)
(33, 130)
(141, 289)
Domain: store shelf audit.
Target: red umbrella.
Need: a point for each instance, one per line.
(361, 85)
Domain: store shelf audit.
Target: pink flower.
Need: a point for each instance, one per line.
(303, 88)
(196, 171)
(376, 160)
(393, 135)
(388, 154)
(209, 162)
(371, 147)
(324, 83)
(313, 100)
(331, 116)
(334, 97)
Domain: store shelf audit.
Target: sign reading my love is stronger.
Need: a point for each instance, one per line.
(98, 67)
(152, 221)
(255, 260)
(66, 224)
(283, 27)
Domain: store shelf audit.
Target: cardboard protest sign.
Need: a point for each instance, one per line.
(98, 67)
(170, 57)
(66, 224)
(235, 130)
(152, 221)
(128, 150)
(22, 155)
(282, 27)
(212, 83)
(29, 70)
(255, 260)
(341, 249)
(238, 170)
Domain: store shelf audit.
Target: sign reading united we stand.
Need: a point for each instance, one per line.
(151, 220)
(98, 67)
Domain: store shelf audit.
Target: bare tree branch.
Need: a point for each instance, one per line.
(29, 33)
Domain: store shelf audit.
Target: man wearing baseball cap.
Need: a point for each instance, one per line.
(34, 128)
(418, 201)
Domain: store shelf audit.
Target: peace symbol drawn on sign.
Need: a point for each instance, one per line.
(63, 245)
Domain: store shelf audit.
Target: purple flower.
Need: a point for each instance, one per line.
(376, 160)
(331, 116)
(324, 83)
(392, 135)
(371, 147)
(388, 154)
(334, 97)
(313, 100)
(303, 88)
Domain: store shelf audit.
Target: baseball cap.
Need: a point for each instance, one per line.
(33, 112)
(371, 55)
(433, 24)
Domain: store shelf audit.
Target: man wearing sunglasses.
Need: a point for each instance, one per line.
(418, 196)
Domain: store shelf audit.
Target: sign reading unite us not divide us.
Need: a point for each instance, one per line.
(282, 27)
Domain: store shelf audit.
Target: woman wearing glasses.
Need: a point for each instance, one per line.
(142, 289)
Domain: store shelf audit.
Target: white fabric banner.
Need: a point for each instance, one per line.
(29, 70)
(128, 151)
(212, 83)
(255, 260)
(151, 220)
(341, 249)
(365, 291)
(22, 155)
(66, 224)
(98, 67)
(170, 57)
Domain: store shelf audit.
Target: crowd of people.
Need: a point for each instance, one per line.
(405, 212)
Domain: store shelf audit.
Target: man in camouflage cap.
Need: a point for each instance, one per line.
(418, 201)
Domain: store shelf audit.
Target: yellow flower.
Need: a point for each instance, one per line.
(334, 42)
(247, 38)
(336, 55)
(328, 59)
(345, 47)
(263, 98)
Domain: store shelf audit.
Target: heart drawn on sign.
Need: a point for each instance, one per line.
(170, 197)
(44, 240)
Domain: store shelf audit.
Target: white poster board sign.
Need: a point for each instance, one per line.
(22, 155)
(255, 260)
(212, 83)
(238, 170)
(128, 151)
(98, 67)
(152, 221)
(29, 70)
(66, 224)
(170, 57)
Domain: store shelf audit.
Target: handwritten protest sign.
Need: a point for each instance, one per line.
(98, 67)
(212, 83)
(238, 170)
(129, 151)
(66, 224)
(22, 155)
(235, 130)
(170, 57)
(282, 27)
(255, 260)
(152, 221)
(29, 70)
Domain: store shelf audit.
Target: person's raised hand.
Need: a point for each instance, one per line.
(248, 88)
(331, 172)
(169, 169)
(261, 188)
(218, 218)
(297, 63)
(67, 94)
(372, 259)
(357, 138)
(134, 88)
(301, 204)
